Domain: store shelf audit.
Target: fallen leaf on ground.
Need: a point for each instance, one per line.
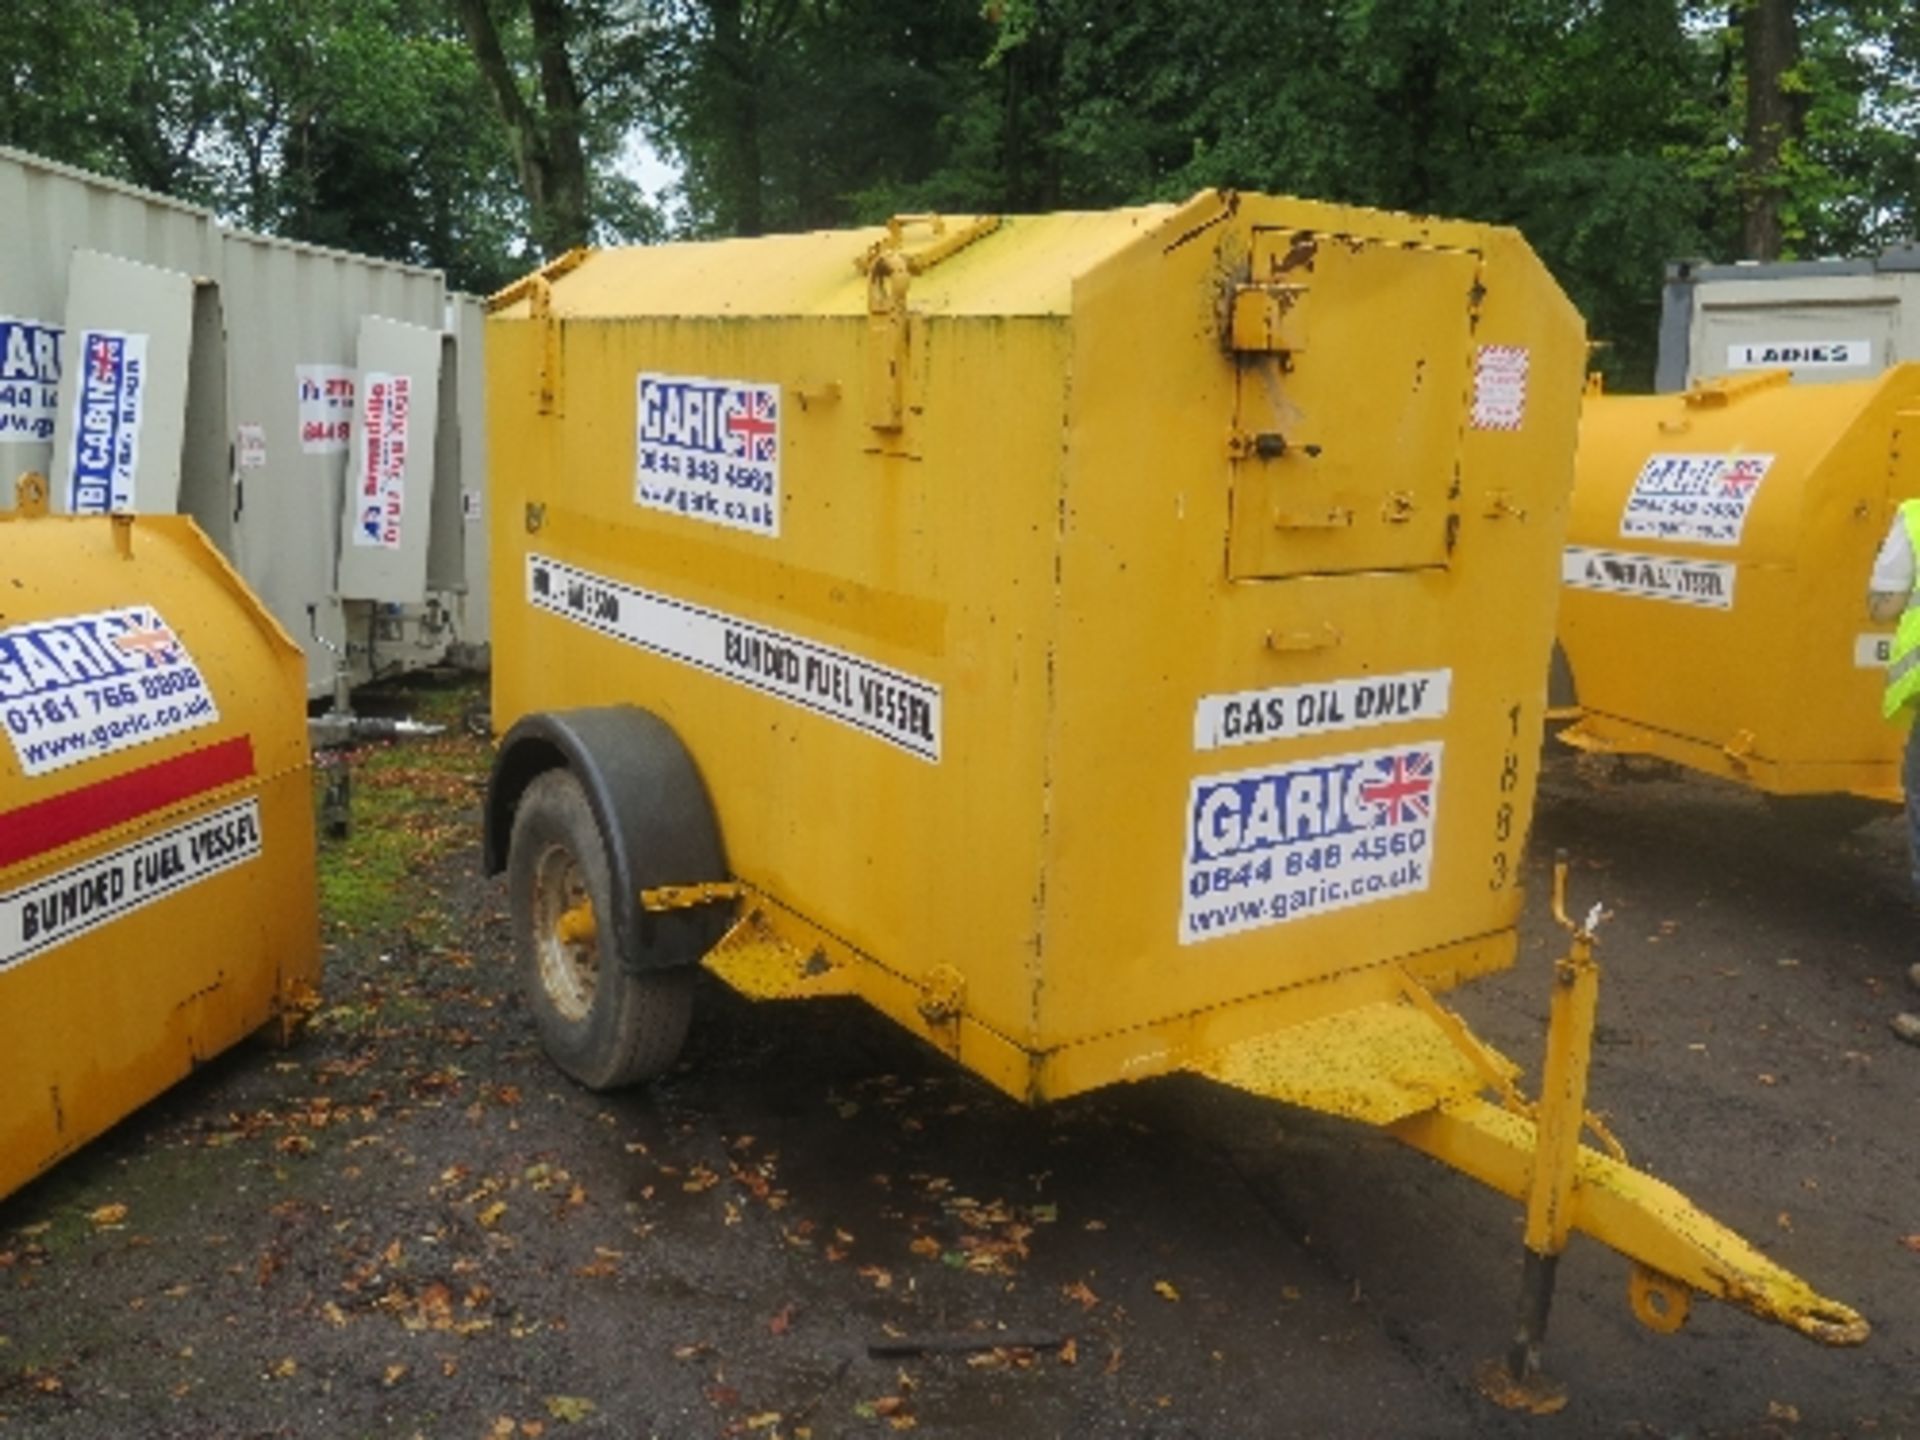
(1079, 1291)
(1912, 1242)
(882, 1278)
(763, 1420)
(570, 1409)
(490, 1216)
(1069, 1351)
(924, 1245)
(1164, 1289)
(782, 1322)
(393, 1375)
(105, 1215)
(1780, 1410)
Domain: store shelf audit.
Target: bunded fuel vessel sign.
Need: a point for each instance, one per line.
(709, 450)
(1703, 499)
(1284, 842)
(886, 704)
(107, 404)
(29, 381)
(89, 685)
(68, 903)
(1707, 583)
(382, 467)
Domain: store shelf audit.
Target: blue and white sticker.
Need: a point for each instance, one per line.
(709, 450)
(1698, 499)
(29, 381)
(87, 685)
(1284, 842)
(107, 404)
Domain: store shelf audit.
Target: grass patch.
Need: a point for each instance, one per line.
(414, 801)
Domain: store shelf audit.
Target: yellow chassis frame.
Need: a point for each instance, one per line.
(1373, 1045)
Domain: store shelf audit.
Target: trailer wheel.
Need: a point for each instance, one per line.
(601, 1021)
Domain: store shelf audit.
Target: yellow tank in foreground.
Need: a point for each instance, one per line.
(157, 888)
(1108, 644)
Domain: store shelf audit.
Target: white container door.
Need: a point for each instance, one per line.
(121, 420)
(386, 522)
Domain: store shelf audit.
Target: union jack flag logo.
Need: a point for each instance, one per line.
(105, 356)
(151, 640)
(1401, 788)
(753, 420)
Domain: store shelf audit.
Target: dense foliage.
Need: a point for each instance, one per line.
(477, 134)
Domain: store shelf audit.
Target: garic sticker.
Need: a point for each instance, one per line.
(1283, 842)
(29, 380)
(709, 450)
(88, 685)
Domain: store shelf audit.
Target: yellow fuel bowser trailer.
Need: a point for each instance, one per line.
(1108, 644)
(1714, 612)
(157, 893)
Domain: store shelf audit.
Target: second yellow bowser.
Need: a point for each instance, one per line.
(1718, 554)
(1108, 644)
(157, 891)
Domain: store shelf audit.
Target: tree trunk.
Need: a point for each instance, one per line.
(547, 148)
(739, 94)
(566, 222)
(1776, 119)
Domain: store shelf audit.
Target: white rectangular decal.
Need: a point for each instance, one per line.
(1500, 387)
(69, 903)
(250, 446)
(107, 405)
(1703, 499)
(1286, 711)
(1282, 842)
(1706, 583)
(326, 407)
(888, 704)
(1872, 650)
(1801, 355)
(710, 450)
(380, 468)
(88, 685)
(29, 380)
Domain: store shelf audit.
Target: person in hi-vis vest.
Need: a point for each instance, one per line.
(1891, 595)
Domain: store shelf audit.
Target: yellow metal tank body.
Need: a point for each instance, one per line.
(1108, 644)
(157, 890)
(1714, 611)
(1111, 562)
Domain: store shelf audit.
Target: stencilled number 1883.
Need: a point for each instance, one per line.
(1502, 871)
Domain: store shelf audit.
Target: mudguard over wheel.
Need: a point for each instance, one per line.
(603, 1022)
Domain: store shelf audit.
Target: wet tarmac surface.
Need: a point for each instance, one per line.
(411, 1224)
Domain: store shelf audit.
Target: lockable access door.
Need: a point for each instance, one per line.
(1354, 356)
(386, 521)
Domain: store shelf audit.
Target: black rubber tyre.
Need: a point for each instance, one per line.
(603, 1024)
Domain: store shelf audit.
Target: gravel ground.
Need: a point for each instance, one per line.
(410, 1224)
